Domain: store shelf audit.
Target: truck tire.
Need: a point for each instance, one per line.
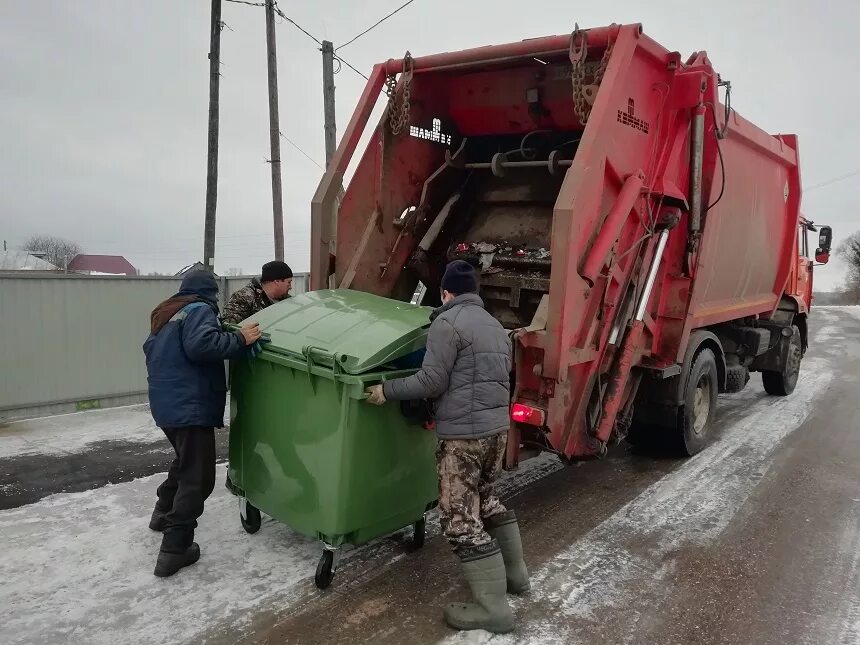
(737, 377)
(782, 383)
(700, 402)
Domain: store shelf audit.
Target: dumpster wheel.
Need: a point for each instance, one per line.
(251, 519)
(325, 569)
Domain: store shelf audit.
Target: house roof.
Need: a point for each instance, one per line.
(23, 261)
(105, 264)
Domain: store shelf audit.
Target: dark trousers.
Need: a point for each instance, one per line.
(190, 481)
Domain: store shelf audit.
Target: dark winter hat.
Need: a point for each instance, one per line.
(460, 277)
(276, 270)
(199, 283)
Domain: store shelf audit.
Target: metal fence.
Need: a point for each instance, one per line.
(71, 342)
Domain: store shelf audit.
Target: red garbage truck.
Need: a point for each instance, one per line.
(640, 239)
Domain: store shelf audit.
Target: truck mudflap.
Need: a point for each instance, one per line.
(776, 358)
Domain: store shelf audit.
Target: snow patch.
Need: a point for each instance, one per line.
(829, 333)
(78, 566)
(846, 617)
(77, 432)
(74, 433)
(853, 311)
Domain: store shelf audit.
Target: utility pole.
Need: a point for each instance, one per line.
(274, 131)
(328, 101)
(212, 157)
(330, 227)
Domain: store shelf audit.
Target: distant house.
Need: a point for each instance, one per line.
(101, 265)
(24, 261)
(197, 266)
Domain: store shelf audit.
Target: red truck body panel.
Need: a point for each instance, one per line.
(577, 243)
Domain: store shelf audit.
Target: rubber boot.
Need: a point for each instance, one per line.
(157, 521)
(169, 563)
(178, 550)
(504, 528)
(484, 569)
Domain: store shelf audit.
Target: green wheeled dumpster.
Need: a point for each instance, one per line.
(305, 447)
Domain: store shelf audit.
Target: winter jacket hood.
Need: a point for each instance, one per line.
(201, 284)
(197, 286)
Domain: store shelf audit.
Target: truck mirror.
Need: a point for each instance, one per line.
(825, 239)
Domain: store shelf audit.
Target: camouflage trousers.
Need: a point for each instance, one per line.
(467, 469)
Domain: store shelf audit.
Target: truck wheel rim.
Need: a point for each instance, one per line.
(701, 404)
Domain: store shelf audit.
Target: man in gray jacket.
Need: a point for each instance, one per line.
(466, 372)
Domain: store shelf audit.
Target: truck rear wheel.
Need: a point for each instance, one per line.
(782, 383)
(700, 401)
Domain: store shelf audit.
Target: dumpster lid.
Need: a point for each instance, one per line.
(363, 330)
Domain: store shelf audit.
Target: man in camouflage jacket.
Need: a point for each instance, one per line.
(274, 285)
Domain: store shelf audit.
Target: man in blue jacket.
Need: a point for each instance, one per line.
(185, 355)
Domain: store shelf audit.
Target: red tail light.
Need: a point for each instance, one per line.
(522, 413)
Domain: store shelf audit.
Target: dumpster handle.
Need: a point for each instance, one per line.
(310, 364)
(336, 363)
(336, 357)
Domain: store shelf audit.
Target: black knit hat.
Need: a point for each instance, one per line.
(276, 270)
(460, 277)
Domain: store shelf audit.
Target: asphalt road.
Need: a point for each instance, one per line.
(755, 540)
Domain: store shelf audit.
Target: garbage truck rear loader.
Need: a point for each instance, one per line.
(638, 237)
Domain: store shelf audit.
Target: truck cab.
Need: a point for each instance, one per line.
(800, 284)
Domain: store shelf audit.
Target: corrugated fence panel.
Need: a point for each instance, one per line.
(71, 342)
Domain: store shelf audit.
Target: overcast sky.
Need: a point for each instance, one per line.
(103, 106)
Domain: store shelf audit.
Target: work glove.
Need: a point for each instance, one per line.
(375, 395)
(256, 349)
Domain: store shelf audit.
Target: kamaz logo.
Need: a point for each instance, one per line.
(628, 118)
(431, 135)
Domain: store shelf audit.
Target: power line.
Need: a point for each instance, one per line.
(295, 145)
(286, 18)
(831, 181)
(376, 24)
(296, 25)
(314, 38)
(364, 76)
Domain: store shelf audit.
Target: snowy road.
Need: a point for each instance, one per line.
(756, 540)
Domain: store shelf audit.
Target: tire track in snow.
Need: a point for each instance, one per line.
(630, 555)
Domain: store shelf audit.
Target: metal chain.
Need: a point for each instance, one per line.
(579, 48)
(579, 53)
(604, 63)
(398, 115)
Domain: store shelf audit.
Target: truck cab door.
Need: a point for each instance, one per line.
(804, 268)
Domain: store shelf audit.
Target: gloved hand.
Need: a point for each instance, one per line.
(375, 395)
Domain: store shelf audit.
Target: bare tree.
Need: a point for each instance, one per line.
(57, 251)
(849, 251)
